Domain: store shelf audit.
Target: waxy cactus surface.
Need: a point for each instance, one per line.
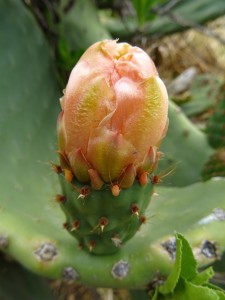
(100, 221)
(31, 222)
(114, 116)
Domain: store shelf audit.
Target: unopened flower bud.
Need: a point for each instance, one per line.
(114, 115)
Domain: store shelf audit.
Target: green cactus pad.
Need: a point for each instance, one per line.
(42, 245)
(216, 123)
(186, 149)
(215, 166)
(31, 221)
(100, 221)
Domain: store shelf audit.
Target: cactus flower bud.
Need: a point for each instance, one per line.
(114, 116)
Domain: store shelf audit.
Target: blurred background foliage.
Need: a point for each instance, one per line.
(176, 33)
(186, 40)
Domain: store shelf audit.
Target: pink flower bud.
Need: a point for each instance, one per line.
(114, 115)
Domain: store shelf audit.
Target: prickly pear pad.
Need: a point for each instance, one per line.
(100, 221)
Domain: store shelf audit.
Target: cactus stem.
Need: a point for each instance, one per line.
(135, 209)
(75, 226)
(60, 198)
(97, 224)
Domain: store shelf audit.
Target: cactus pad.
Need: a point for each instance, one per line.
(31, 221)
(185, 147)
(215, 166)
(216, 123)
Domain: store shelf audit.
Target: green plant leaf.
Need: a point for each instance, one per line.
(184, 282)
(142, 8)
(188, 262)
(220, 292)
(187, 290)
(203, 277)
(172, 280)
(185, 266)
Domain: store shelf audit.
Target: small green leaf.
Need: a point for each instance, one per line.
(184, 282)
(187, 290)
(173, 278)
(185, 265)
(188, 262)
(217, 289)
(155, 296)
(220, 294)
(204, 276)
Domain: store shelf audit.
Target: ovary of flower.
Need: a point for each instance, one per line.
(114, 115)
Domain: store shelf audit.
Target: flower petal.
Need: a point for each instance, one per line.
(61, 134)
(150, 119)
(79, 165)
(109, 153)
(85, 108)
(96, 180)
